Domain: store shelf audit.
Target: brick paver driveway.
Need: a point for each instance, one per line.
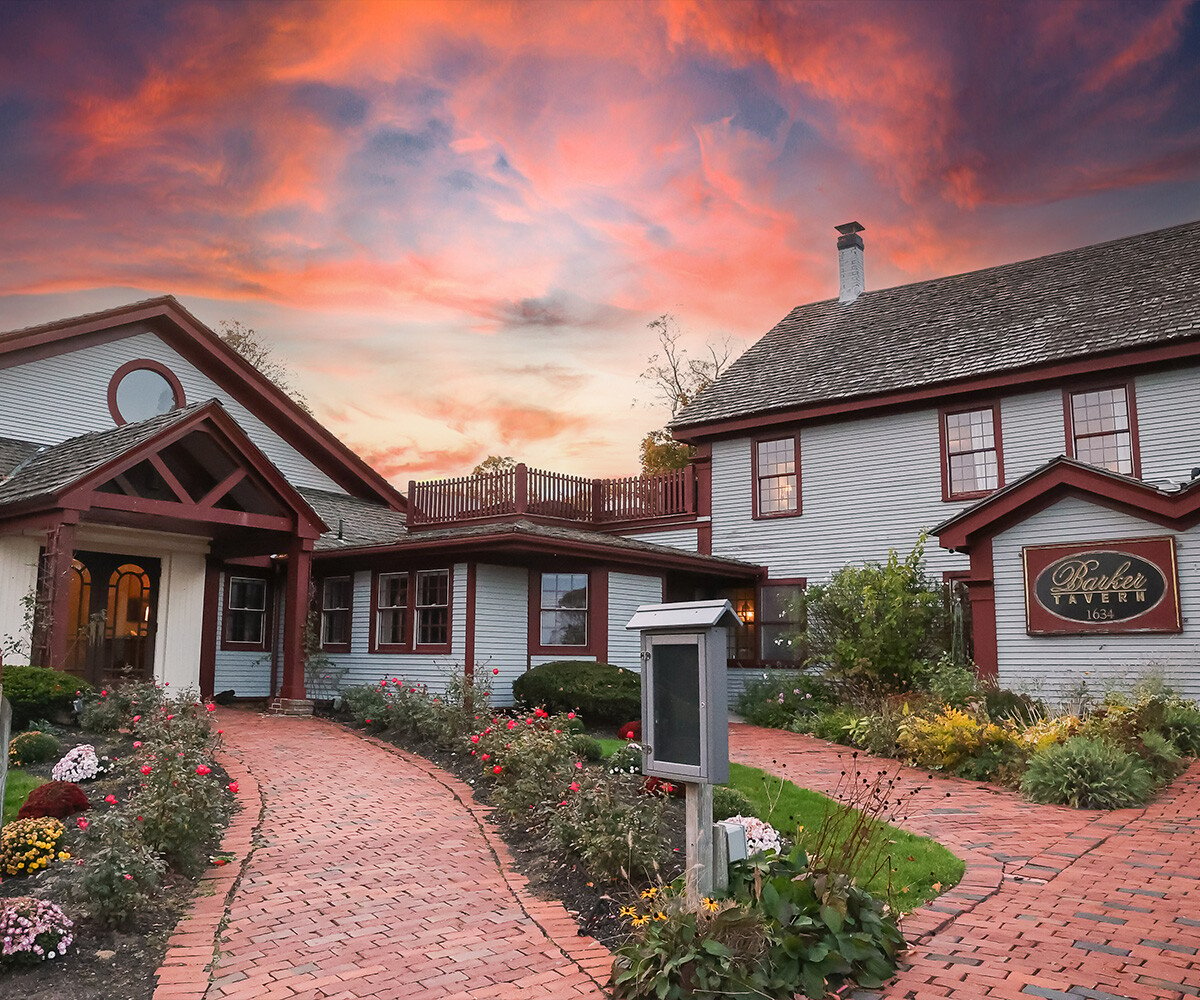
(375, 875)
(1055, 903)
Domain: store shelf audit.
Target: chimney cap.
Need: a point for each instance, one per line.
(850, 228)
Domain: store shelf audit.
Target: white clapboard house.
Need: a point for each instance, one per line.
(1041, 420)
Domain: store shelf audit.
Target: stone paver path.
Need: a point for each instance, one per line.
(376, 875)
(1055, 904)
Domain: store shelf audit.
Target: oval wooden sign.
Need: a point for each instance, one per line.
(1100, 586)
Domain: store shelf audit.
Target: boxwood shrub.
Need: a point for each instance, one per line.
(600, 692)
(40, 693)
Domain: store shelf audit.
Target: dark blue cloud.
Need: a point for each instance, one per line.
(337, 107)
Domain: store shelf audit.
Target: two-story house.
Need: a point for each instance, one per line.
(1038, 419)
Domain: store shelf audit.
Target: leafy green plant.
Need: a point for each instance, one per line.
(948, 682)
(606, 822)
(111, 708)
(1087, 773)
(409, 709)
(587, 747)
(602, 693)
(1181, 725)
(834, 725)
(33, 747)
(528, 761)
(874, 625)
(119, 874)
(730, 802)
(40, 693)
(1003, 705)
(781, 696)
(182, 803)
(366, 705)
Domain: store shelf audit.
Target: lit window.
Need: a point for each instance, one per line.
(972, 452)
(391, 622)
(1101, 432)
(337, 594)
(776, 474)
(246, 612)
(433, 607)
(564, 609)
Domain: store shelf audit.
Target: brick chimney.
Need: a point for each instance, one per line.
(851, 279)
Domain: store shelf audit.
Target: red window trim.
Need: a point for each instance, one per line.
(410, 645)
(597, 614)
(268, 637)
(944, 449)
(783, 581)
(136, 365)
(754, 479)
(335, 647)
(1130, 403)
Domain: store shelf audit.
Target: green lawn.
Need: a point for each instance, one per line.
(918, 862)
(19, 785)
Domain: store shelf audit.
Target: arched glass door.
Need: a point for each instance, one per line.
(122, 602)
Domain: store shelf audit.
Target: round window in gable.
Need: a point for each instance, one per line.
(143, 389)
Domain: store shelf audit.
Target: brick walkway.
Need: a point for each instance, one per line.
(1055, 903)
(375, 875)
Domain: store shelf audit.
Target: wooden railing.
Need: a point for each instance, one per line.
(535, 492)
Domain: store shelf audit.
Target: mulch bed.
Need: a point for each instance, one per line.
(592, 902)
(101, 964)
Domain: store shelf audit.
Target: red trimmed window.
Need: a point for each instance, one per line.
(246, 613)
(337, 603)
(391, 611)
(1102, 428)
(563, 610)
(777, 477)
(432, 614)
(781, 621)
(972, 458)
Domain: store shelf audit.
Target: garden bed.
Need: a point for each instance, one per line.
(111, 956)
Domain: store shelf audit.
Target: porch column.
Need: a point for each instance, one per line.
(295, 617)
(53, 640)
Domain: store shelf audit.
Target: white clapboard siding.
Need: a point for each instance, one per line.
(626, 593)
(677, 538)
(18, 580)
(874, 483)
(501, 626)
(1053, 667)
(69, 394)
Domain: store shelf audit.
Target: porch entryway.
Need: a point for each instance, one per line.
(113, 616)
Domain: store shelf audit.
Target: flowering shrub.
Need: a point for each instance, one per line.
(29, 845)
(32, 930)
(760, 835)
(411, 710)
(180, 721)
(182, 804)
(32, 747)
(79, 764)
(119, 873)
(784, 932)
(528, 759)
(58, 799)
(626, 759)
(605, 822)
(110, 709)
(779, 697)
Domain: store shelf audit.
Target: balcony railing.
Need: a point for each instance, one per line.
(525, 492)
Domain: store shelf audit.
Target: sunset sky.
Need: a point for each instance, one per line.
(455, 220)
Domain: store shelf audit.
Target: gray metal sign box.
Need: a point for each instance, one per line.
(685, 711)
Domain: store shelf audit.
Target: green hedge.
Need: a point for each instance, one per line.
(40, 693)
(600, 692)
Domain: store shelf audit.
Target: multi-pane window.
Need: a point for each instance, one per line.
(391, 614)
(246, 611)
(972, 452)
(1101, 430)
(781, 622)
(433, 607)
(776, 477)
(336, 601)
(564, 609)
